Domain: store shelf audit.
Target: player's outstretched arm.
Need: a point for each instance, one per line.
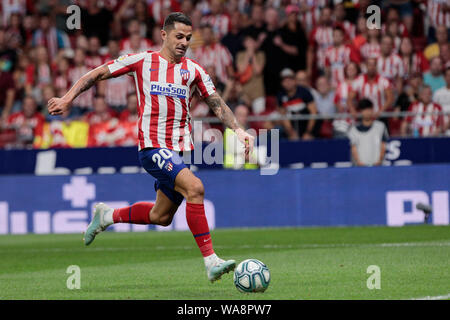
(224, 113)
(58, 106)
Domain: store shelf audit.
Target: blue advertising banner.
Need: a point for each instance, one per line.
(298, 154)
(308, 197)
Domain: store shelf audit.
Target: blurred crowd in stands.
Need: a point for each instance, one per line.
(288, 57)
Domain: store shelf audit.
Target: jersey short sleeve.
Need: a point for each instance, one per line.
(125, 64)
(205, 86)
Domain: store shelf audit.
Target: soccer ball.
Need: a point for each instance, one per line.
(251, 275)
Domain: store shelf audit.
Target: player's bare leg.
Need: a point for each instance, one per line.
(193, 191)
(160, 213)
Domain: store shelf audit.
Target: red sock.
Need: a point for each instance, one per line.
(196, 219)
(138, 213)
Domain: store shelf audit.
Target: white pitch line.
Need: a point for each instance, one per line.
(444, 297)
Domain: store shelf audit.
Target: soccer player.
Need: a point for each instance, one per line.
(165, 83)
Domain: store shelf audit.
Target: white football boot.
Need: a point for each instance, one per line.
(216, 267)
(101, 219)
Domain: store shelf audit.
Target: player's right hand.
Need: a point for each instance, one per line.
(57, 106)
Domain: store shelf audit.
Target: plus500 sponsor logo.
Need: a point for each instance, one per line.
(401, 207)
(171, 90)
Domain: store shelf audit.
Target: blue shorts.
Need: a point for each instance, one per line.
(164, 165)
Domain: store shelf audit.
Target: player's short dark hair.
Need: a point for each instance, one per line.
(180, 17)
(364, 104)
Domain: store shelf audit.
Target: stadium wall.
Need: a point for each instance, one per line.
(292, 154)
(293, 197)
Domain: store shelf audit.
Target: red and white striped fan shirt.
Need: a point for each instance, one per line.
(164, 92)
(337, 58)
(436, 14)
(370, 50)
(391, 67)
(221, 24)
(341, 93)
(321, 38)
(416, 63)
(426, 124)
(372, 89)
(214, 55)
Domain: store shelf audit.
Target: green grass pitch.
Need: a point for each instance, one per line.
(305, 263)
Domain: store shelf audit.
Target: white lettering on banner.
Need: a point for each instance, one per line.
(70, 221)
(401, 207)
(3, 217)
(82, 197)
(18, 222)
(79, 191)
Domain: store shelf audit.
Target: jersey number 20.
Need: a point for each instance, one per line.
(164, 153)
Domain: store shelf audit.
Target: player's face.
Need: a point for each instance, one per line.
(177, 39)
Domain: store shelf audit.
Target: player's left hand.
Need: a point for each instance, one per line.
(248, 141)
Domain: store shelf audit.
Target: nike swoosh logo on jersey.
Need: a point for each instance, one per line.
(156, 69)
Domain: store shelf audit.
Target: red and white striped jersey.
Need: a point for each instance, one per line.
(214, 55)
(159, 9)
(426, 124)
(310, 12)
(321, 38)
(436, 14)
(372, 89)
(370, 50)
(117, 89)
(125, 46)
(416, 63)
(164, 93)
(221, 24)
(336, 59)
(341, 93)
(391, 67)
(85, 100)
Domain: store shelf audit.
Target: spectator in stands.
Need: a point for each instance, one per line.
(257, 25)
(338, 56)
(340, 15)
(217, 19)
(233, 39)
(361, 33)
(27, 123)
(438, 17)
(424, 124)
(7, 94)
(413, 62)
(341, 126)
(273, 52)
(435, 78)
(100, 113)
(368, 138)
(371, 48)
(250, 65)
(296, 100)
(93, 57)
(61, 75)
(390, 65)
(49, 37)
(292, 40)
(320, 39)
(301, 78)
(442, 97)
(39, 73)
(434, 49)
(213, 53)
(324, 100)
(84, 102)
(130, 114)
(374, 87)
(96, 21)
(8, 56)
(409, 95)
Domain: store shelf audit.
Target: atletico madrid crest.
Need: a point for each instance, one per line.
(184, 74)
(169, 166)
